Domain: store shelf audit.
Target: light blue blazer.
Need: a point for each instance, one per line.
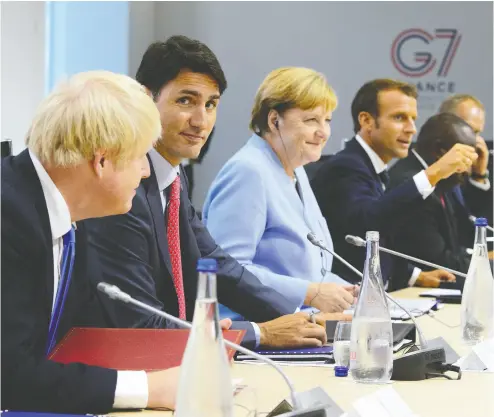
(254, 213)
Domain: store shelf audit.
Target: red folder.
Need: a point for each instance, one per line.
(129, 349)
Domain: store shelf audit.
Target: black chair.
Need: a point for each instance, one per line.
(6, 148)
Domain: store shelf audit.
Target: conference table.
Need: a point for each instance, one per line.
(471, 396)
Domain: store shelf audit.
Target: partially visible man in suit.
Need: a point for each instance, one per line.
(351, 187)
(152, 251)
(86, 155)
(434, 231)
(472, 111)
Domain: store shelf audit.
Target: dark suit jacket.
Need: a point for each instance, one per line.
(133, 252)
(434, 232)
(29, 381)
(352, 200)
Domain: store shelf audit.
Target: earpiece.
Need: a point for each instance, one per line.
(276, 125)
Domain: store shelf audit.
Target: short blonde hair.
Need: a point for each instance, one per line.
(91, 111)
(451, 103)
(287, 88)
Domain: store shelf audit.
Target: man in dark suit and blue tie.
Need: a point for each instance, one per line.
(351, 187)
(472, 111)
(86, 155)
(152, 251)
(436, 231)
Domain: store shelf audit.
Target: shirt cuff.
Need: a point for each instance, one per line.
(423, 185)
(486, 186)
(257, 332)
(415, 274)
(131, 390)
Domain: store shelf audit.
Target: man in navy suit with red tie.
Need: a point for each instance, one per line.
(86, 155)
(351, 186)
(152, 252)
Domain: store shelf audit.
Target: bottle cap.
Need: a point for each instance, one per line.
(340, 371)
(371, 235)
(480, 221)
(207, 265)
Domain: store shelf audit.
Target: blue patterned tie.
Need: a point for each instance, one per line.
(66, 267)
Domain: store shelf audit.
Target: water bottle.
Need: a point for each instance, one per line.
(477, 302)
(371, 340)
(205, 386)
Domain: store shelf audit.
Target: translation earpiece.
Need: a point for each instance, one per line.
(276, 124)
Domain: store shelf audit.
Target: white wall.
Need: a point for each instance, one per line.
(22, 67)
(141, 32)
(349, 42)
(23, 60)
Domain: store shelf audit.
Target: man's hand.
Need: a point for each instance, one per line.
(480, 165)
(162, 388)
(225, 324)
(490, 254)
(329, 297)
(457, 160)
(292, 330)
(432, 279)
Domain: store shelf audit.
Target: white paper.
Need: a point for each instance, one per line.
(417, 307)
(383, 403)
(480, 358)
(485, 352)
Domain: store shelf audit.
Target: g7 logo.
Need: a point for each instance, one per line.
(424, 61)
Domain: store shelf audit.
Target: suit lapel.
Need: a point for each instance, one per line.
(154, 200)
(27, 169)
(354, 147)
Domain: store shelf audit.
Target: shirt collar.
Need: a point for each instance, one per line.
(58, 211)
(421, 160)
(165, 172)
(377, 162)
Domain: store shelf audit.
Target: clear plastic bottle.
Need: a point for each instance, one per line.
(477, 303)
(371, 340)
(205, 387)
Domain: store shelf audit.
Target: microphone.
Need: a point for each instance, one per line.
(412, 366)
(312, 239)
(473, 218)
(358, 241)
(309, 404)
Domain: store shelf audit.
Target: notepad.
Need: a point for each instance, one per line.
(316, 354)
(441, 292)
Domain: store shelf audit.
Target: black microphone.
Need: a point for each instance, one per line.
(312, 239)
(413, 366)
(358, 241)
(310, 403)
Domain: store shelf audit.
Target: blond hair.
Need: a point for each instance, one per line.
(451, 103)
(287, 88)
(92, 111)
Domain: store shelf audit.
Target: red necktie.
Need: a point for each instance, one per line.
(174, 244)
(442, 201)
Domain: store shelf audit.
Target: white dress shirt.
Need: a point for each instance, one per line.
(132, 387)
(421, 182)
(165, 175)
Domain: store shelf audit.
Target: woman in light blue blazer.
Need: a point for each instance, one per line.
(261, 207)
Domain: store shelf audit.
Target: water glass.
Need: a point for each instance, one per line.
(341, 344)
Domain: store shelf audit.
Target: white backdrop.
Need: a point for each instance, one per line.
(350, 42)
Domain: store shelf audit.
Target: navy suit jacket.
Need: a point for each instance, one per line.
(30, 382)
(434, 232)
(133, 253)
(351, 198)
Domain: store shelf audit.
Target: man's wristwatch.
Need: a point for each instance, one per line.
(476, 176)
